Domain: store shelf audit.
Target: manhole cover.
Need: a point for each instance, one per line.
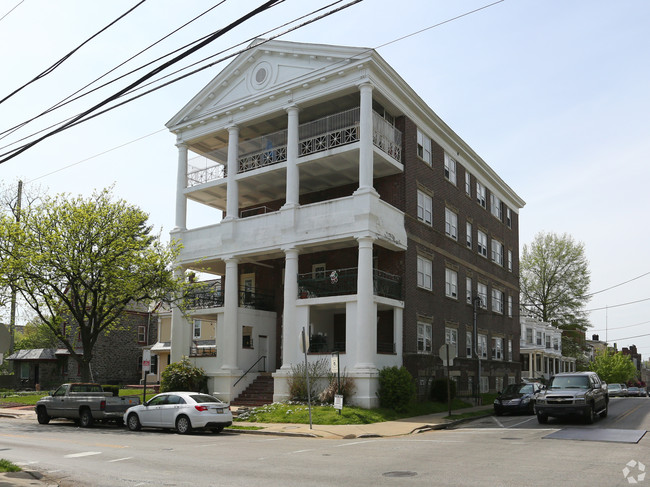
(400, 473)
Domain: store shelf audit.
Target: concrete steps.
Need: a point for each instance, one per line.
(258, 393)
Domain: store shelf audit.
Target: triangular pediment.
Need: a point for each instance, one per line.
(264, 69)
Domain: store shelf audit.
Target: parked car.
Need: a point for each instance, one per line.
(573, 393)
(517, 398)
(85, 403)
(633, 391)
(625, 391)
(183, 411)
(643, 392)
(615, 390)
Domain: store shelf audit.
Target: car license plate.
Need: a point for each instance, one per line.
(220, 411)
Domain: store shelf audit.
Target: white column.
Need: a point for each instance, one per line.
(365, 139)
(181, 183)
(366, 332)
(232, 194)
(289, 325)
(293, 178)
(231, 304)
(180, 333)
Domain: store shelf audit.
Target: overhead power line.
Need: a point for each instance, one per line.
(617, 285)
(15, 7)
(64, 58)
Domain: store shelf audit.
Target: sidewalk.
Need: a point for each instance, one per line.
(401, 427)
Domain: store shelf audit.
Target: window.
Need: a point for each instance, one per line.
(497, 348)
(468, 290)
(424, 147)
(468, 344)
(482, 243)
(319, 271)
(497, 252)
(468, 235)
(497, 301)
(538, 339)
(197, 329)
(468, 183)
(548, 341)
(24, 370)
(153, 368)
(425, 279)
(451, 224)
(424, 208)
(556, 344)
(529, 335)
(480, 195)
(510, 260)
(509, 351)
(495, 206)
(451, 283)
(451, 336)
(450, 168)
(509, 217)
(482, 293)
(509, 306)
(425, 332)
(247, 337)
(482, 346)
(142, 334)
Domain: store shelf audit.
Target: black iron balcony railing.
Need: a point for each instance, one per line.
(340, 282)
(213, 297)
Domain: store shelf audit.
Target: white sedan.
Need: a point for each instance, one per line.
(183, 411)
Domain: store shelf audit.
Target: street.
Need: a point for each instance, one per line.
(504, 451)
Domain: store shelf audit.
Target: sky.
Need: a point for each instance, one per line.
(553, 95)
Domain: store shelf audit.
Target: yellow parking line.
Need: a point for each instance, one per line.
(626, 414)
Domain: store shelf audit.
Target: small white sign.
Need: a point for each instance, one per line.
(146, 360)
(338, 401)
(335, 363)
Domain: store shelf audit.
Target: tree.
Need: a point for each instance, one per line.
(35, 335)
(613, 367)
(78, 263)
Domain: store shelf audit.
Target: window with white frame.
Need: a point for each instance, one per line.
(451, 224)
(497, 301)
(482, 292)
(425, 332)
(481, 243)
(197, 329)
(509, 306)
(480, 195)
(425, 205)
(451, 283)
(509, 217)
(468, 344)
(510, 260)
(509, 350)
(497, 252)
(450, 168)
(468, 183)
(485, 385)
(529, 335)
(538, 339)
(548, 341)
(556, 343)
(482, 346)
(468, 235)
(425, 279)
(424, 147)
(142, 334)
(468, 290)
(497, 348)
(495, 206)
(451, 336)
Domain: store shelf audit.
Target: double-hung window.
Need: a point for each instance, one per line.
(468, 290)
(425, 279)
(424, 147)
(481, 290)
(425, 332)
(509, 217)
(497, 348)
(480, 195)
(468, 235)
(425, 205)
(497, 301)
(451, 224)
(497, 252)
(450, 168)
(468, 344)
(495, 206)
(468, 183)
(197, 329)
(510, 260)
(482, 243)
(482, 346)
(509, 306)
(451, 284)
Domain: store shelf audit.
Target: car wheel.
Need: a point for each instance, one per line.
(603, 413)
(42, 416)
(183, 425)
(133, 422)
(589, 414)
(217, 429)
(542, 418)
(85, 418)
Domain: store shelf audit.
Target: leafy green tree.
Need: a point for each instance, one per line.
(80, 262)
(613, 368)
(35, 335)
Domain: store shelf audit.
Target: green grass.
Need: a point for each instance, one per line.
(7, 466)
(299, 413)
(31, 399)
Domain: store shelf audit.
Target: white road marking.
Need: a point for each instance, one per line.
(497, 421)
(300, 451)
(82, 454)
(356, 443)
(120, 459)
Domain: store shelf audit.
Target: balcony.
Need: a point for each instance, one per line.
(341, 282)
(320, 135)
(213, 297)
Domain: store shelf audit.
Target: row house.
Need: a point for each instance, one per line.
(541, 350)
(344, 207)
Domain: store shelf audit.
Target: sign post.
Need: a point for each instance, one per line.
(448, 352)
(304, 347)
(146, 367)
(336, 369)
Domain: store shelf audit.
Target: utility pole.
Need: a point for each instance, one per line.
(12, 319)
(476, 302)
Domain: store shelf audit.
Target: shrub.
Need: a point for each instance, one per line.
(396, 388)
(332, 389)
(298, 382)
(115, 390)
(439, 390)
(183, 376)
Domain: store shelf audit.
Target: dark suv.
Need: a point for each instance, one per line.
(573, 393)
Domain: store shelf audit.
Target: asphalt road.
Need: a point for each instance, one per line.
(503, 451)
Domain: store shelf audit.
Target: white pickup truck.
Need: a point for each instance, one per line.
(85, 403)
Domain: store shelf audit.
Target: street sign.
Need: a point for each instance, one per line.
(338, 401)
(146, 360)
(453, 353)
(335, 362)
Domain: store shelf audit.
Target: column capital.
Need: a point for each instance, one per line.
(292, 108)
(231, 259)
(232, 129)
(290, 250)
(365, 85)
(181, 144)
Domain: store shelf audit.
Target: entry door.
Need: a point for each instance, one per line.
(263, 352)
(247, 290)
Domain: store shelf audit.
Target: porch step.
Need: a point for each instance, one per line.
(258, 393)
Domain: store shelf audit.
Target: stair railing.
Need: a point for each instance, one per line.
(263, 357)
